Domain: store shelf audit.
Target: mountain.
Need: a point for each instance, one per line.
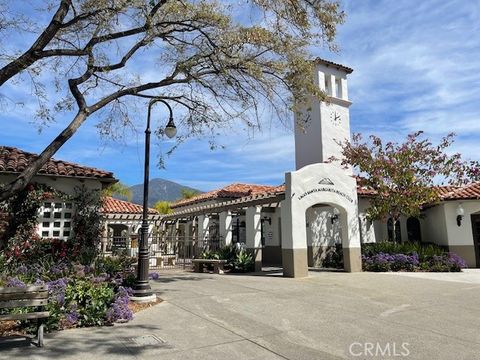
(159, 189)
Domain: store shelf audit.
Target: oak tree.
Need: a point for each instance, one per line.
(213, 61)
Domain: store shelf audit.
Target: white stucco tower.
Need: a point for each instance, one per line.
(318, 183)
(322, 124)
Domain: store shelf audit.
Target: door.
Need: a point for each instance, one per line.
(476, 236)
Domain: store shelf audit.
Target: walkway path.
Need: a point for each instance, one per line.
(208, 316)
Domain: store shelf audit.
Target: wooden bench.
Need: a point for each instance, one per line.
(218, 265)
(26, 297)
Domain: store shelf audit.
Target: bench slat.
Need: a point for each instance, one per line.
(209, 261)
(33, 315)
(22, 303)
(21, 296)
(8, 290)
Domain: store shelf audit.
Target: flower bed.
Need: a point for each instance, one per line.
(79, 295)
(387, 256)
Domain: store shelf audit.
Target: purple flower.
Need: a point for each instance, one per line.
(72, 316)
(56, 290)
(119, 310)
(154, 276)
(22, 270)
(15, 282)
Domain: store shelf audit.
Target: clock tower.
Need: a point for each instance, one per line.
(322, 124)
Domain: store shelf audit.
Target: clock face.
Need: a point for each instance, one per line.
(335, 118)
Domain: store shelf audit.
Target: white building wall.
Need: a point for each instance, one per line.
(321, 231)
(434, 227)
(460, 235)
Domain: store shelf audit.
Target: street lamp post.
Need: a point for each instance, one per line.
(141, 289)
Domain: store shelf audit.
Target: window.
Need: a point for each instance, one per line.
(338, 88)
(327, 84)
(414, 230)
(398, 231)
(55, 215)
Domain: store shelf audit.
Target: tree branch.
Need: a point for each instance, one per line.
(34, 53)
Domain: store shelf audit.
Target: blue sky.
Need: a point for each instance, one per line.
(416, 67)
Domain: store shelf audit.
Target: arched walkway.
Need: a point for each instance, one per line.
(318, 184)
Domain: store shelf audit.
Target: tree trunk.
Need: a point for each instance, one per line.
(33, 167)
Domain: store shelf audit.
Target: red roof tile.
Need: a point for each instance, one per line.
(115, 206)
(467, 192)
(331, 63)
(231, 191)
(16, 160)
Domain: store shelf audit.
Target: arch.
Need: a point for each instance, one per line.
(414, 230)
(323, 233)
(314, 184)
(398, 230)
(118, 235)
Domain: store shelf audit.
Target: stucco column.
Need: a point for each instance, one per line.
(187, 230)
(225, 227)
(333, 85)
(343, 82)
(177, 230)
(254, 234)
(294, 239)
(104, 237)
(352, 254)
(202, 227)
(163, 229)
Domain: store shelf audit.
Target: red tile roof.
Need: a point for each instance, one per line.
(115, 206)
(231, 191)
(467, 192)
(331, 63)
(471, 191)
(13, 160)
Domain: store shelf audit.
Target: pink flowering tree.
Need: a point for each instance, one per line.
(404, 175)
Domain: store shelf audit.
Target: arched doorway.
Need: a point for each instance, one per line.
(117, 236)
(323, 234)
(414, 230)
(390, 231)
(314, 184)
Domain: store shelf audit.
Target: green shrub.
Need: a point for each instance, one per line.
(244, 262)
(334, 257)
(113, 265)
(92, 301)
(424, 251)
(229, 254)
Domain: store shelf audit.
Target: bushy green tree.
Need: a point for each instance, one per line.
(189, 193)
(403, 176)
(163, 207)
(118, 189)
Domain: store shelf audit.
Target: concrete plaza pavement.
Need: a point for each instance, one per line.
(329, 315)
